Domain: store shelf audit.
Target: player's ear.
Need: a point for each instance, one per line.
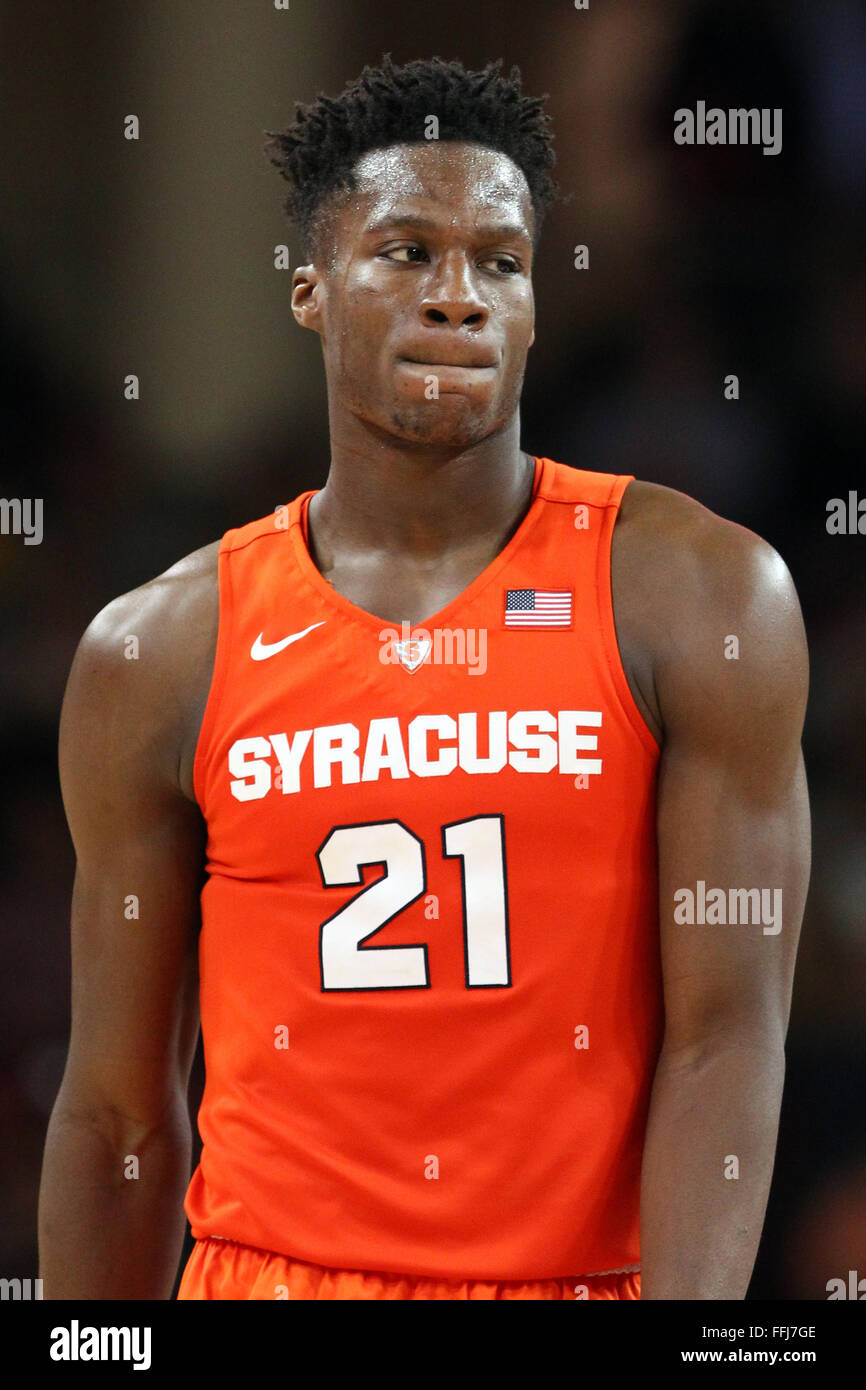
(308, 295)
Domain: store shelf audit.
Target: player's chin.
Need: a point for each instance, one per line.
(449, 408)
(456, 421)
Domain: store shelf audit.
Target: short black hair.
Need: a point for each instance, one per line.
(389, 105)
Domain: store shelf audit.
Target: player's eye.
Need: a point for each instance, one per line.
(413, 254)
(397, 252)
(504, 264)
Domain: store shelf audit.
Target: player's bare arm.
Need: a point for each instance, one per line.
(709, 613)
(117, 1157)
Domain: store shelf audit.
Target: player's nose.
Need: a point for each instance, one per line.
(453, 296)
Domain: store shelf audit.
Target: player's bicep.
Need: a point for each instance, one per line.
(732, 811)
(139, 849)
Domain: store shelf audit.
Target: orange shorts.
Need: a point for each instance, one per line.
(222, 1269)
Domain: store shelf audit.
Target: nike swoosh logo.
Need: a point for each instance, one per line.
(260, 651)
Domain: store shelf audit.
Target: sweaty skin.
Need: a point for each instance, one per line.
(422, 494)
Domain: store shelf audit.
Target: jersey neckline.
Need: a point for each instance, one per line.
(298, 535)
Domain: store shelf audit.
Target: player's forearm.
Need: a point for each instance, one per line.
(707, 1166)
(111, 1219)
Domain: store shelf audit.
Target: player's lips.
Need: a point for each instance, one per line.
(451, 366)
(481, 360)
(452, 378)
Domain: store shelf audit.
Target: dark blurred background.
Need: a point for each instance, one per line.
(157, 257)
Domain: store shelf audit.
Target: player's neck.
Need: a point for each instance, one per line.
(421, 503)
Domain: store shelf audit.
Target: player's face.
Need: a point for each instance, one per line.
(426, 312)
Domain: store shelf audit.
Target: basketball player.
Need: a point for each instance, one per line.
(487, 759)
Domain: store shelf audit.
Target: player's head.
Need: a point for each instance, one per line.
(419, 195)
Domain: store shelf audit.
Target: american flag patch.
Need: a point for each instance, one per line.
(538, 608)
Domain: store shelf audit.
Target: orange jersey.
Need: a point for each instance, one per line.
(430, 980)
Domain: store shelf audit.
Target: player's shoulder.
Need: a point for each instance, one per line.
(685, 550)
(179, 608)
(144, 659)
(687, 575)
(139, 673)
(175, 607)
(654, 509)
